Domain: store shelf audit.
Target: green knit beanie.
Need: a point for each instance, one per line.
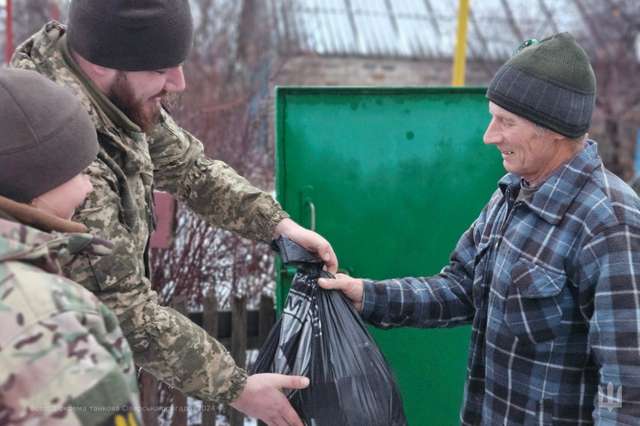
(550, 83)
(47, 136)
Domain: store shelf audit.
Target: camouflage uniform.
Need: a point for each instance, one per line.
(130, 164)
(63, 358)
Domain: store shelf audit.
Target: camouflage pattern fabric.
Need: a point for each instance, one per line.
(63, 357)
(130, 164)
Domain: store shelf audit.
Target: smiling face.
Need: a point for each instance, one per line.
(139, 94)
(531, 152)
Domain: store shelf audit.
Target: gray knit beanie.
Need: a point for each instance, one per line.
(47, 136)
(131, 35)
(551, 83)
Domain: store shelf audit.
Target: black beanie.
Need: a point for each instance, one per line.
(551, 83)
(131, 35)
(47, 136)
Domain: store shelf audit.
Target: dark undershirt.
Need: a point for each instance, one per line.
(526, 191)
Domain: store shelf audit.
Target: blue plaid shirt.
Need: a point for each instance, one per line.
(551, 286)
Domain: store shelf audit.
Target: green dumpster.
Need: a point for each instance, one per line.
(392, 177)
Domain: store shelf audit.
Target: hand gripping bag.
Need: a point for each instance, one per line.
(321, 336)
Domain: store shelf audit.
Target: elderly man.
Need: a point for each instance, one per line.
(121, 58)
(548, 273)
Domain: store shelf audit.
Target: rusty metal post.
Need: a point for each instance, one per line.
(8, 45)
(54, 10)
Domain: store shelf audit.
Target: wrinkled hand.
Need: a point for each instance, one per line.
(353, 288)
(310, 240)
(262, 398)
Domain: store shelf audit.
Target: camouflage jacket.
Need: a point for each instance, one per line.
(63, 357)
(129, 166)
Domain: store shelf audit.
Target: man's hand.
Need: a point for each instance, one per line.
(310, 240)
(262, 398)
(351, 287)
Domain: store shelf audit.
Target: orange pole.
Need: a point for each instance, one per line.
(8, 46)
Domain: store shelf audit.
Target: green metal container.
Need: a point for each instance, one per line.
(392, 177)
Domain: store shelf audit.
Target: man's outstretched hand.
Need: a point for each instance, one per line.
(262, 398)
(353, 288)
(310, 240)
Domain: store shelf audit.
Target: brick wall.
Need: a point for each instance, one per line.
(344, 71)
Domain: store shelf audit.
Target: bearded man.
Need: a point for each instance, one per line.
(121, 58)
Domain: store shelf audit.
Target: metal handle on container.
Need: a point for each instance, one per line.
(312, 215)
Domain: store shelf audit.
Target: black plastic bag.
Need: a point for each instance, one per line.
(321, 336)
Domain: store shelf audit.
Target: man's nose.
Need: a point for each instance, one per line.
(491, 135)
(175, 80)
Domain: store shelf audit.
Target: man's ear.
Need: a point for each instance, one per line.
(96, 70)
(555, 136)
(100, 74)
(103, 77)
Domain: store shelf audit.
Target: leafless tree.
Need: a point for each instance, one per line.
(28, 17)
(226, 107)
(613, 29)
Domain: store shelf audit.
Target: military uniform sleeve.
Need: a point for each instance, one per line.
(163, 341)
(210, 188)
(64, 359)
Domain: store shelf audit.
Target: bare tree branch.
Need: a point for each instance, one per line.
(548, 15)
(511, 20)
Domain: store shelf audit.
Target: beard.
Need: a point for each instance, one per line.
(143, 112)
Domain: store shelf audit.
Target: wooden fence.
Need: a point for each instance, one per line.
(239, 330)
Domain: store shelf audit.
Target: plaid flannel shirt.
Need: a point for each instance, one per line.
(551, 286)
